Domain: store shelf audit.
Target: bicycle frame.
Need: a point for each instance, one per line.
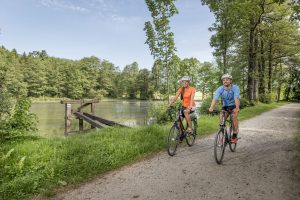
(178, 122)
(179, 119)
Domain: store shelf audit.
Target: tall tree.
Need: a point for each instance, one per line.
(160, 39)
(223, 28)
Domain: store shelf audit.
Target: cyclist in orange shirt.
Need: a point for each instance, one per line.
(187, 94)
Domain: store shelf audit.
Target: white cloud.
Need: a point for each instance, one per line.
(105, 9)
(63, 5)
(101, 6)
(125, 19)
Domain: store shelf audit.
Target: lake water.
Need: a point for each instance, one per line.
(127, 112)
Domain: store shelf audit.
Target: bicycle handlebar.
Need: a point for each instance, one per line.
(169, 110)
(172, 108)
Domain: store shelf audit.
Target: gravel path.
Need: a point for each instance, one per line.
(264, 166)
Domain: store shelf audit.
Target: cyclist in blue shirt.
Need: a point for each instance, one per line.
(230, 95)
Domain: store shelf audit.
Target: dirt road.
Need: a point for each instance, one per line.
(264, 166)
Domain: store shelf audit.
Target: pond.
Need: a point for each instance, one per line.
(127, 112)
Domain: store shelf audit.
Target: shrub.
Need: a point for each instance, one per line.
(206, 104)
(244, 103)
(266, 98)
(160, 113)
(20, 121)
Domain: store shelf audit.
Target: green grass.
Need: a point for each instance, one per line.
(39, 165)
(209, 124)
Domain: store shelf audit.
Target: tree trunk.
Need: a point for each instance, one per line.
(261, 70)
(224, 62)
(251, 63)
(279, 82)
(255, 69)
(244, 83)
(270, 69)
(168, 87)
(288, 88)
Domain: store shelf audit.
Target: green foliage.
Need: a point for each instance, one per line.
(266, 98)
(23, 120)
(158, 111)
(208, 78)
(18, 121)
(36, 166)
(159, 37)
(244, 103)
(253, 48)
(205, 105)
(5, 106)
(129, 76)
(161, 113)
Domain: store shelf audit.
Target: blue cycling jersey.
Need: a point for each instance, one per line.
(228, 96)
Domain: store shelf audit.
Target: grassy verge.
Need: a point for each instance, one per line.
(39, 165)
(208, 123)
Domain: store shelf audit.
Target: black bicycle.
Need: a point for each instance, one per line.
(178, 131)
(223, 137)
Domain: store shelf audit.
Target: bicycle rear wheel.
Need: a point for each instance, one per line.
(173, 140)
(232, 146)
(190, 137)
(219, 146)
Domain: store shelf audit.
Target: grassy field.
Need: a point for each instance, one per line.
(39, 165)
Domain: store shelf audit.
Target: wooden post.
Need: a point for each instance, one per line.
(80, 124)
(92, 111)
(68, 115)
(80, 120)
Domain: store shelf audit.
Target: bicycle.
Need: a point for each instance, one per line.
(178, 132)
(223, 137)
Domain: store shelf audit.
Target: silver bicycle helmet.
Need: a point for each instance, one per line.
(185, 78)
(226, 76)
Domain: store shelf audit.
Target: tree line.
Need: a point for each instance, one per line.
(38, 75)
(258, 42)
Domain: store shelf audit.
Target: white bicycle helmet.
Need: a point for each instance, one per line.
(185, 78)
(226, 76)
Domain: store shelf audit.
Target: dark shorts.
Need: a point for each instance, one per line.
(183, 108)
(228, 108)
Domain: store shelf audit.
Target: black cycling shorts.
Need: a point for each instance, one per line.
(228, 108)
(183, 108)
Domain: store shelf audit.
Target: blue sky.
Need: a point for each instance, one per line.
(107, 29)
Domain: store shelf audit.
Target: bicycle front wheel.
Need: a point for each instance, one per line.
(219, 146)
(190, 137)
(173, 140)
